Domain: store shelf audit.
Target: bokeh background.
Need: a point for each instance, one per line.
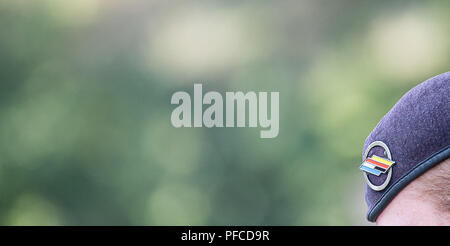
(85, 88)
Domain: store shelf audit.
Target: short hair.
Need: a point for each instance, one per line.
(435, 185)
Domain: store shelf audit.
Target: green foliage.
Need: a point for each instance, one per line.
(85, 133)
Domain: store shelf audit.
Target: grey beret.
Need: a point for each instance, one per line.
(411, 138)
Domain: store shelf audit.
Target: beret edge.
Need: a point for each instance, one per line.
(407, 178)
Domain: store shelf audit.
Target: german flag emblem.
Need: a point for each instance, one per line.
(376, 165)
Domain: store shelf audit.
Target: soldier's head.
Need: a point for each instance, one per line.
(406, 159)
(425, 201)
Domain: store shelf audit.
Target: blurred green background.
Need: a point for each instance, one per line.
(85, 132)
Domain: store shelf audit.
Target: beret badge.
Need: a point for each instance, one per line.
(377, 165)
